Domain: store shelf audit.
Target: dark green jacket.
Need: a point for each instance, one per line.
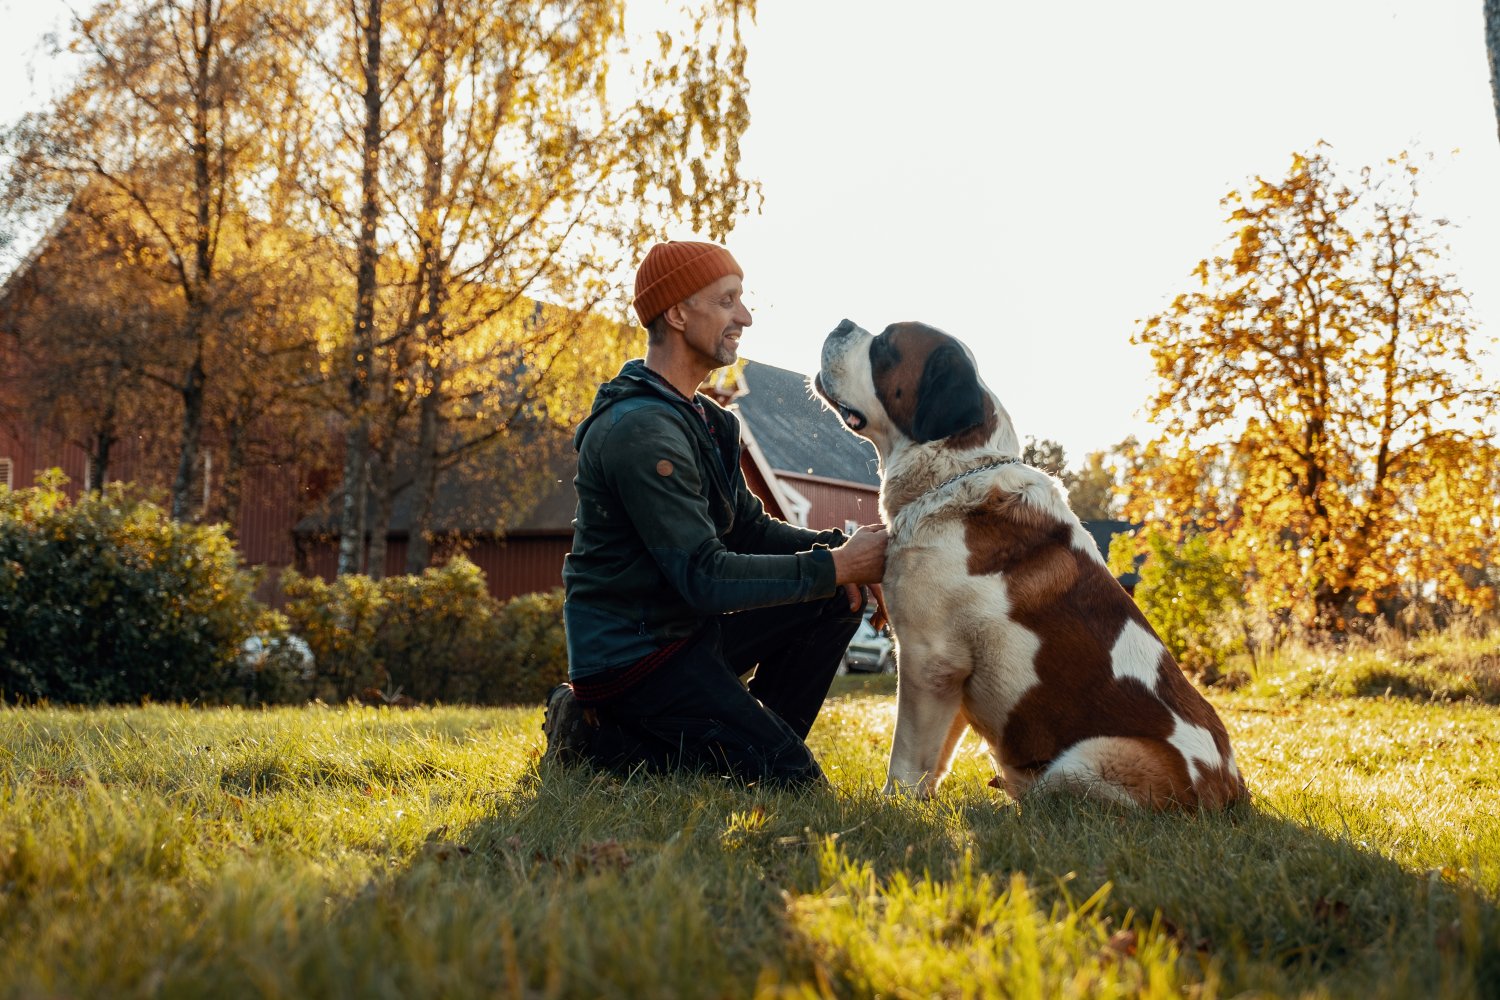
(667, 533)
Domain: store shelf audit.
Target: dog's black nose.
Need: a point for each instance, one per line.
(844, 327)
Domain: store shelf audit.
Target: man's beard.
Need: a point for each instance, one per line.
(726, 353)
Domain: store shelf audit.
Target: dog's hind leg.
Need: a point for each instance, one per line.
(1129, 770)
(929, 722)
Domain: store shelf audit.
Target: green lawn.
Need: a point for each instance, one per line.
(359, 852)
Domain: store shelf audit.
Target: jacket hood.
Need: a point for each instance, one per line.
(632, 381)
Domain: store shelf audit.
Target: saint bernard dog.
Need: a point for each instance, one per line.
(1006, 618)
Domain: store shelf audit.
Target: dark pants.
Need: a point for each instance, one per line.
(693, 713)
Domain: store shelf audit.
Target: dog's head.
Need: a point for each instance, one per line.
(911, 384)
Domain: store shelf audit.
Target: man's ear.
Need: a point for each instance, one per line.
(674, 317)
(949, 399)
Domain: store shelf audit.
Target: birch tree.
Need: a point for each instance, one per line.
(161, 120)
(507, 155)
(1492, 46)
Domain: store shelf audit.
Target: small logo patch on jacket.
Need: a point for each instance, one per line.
(664, 468)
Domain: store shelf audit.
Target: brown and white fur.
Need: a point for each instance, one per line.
(1006, 617)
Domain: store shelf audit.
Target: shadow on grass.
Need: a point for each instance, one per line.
(1441, 674)
(1269, 901)
(693, 886)
(1424, 685)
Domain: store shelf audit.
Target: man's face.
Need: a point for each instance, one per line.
(713, 318)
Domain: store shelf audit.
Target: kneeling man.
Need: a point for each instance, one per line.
(679, 582)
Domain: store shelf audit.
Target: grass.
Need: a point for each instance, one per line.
(163, 851)
(1461, 663)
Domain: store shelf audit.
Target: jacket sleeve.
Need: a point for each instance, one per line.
(651, 464)
(757, 531)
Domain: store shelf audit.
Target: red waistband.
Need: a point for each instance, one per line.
(600, 688)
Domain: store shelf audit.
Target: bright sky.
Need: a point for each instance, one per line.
(1037, 177)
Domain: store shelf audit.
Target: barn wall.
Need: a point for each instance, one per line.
(834, 502)
(523, 564)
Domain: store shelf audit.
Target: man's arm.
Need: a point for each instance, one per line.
(757, 531)
(861, 561)
(650, 463)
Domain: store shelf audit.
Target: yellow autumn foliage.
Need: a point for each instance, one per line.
(1323, 404)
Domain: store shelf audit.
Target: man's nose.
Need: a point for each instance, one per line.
(744, 318)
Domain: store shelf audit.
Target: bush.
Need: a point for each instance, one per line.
(530, 650)
(276, 666)
(107, 599)
(434, 637)
(1192, 593)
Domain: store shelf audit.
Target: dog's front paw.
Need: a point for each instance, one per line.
(921, 788)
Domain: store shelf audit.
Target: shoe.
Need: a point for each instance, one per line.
(563, 725)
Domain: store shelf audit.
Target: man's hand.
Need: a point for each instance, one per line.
(861, 559)
(858, 595)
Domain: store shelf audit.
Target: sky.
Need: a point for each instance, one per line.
(1037, 178)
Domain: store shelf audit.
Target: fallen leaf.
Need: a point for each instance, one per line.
(1123, 943)
(601, 856)
(1450, 938)
(444, 850)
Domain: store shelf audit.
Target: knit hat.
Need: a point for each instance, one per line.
(674, 270)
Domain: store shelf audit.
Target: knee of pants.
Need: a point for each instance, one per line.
(784, 764)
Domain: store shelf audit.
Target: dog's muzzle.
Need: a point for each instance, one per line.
(852, 418)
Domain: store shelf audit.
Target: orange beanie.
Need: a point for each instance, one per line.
(674, 270)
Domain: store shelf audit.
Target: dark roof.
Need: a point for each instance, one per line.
(482, 499)
(797, 433)
(793, 429)
(44, 243)
(554, 511)
(1104, 533)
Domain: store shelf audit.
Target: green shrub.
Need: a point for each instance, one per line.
(107, 599)
(530, 650)
(445, 617)
(434, 637)
(342, 622)
(1191, 592)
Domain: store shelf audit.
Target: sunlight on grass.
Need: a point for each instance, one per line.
(362, 852)
(969, 933)
(1462, 663)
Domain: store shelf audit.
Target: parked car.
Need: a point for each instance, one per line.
(870, 651)
(290, 652)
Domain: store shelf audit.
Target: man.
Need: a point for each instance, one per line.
(679, 582)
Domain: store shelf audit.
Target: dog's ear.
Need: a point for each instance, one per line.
(949, 399)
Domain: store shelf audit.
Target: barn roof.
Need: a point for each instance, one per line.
(468, 502)
(794, 432)
(797, 433)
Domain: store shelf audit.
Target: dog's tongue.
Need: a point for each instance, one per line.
(852, 417)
